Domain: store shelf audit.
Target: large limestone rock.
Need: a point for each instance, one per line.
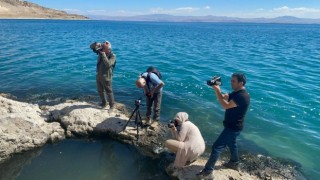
(23, 127)
(84, 119)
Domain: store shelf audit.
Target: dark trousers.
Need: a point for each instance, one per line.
(105, 86)
(156, 101)
(228, 137)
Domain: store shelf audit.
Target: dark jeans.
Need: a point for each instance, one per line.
(105, 86)
(228, 137)
(156, 99)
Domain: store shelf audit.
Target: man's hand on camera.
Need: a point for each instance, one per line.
(216, 88)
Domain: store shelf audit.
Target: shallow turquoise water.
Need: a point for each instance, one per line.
(83, 160)
(44, 60)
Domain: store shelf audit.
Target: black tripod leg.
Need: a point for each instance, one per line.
(140, 119)
(137, 124)
(124, 128)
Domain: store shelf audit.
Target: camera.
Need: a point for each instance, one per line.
(96, 47)
(216, 80)
(137, 102)
(172, 123)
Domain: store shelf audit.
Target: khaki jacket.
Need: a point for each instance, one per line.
(105, 65)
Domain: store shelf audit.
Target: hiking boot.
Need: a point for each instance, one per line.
(204, 174)
(232, 165)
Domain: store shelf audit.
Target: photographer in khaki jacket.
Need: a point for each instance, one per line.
(105, 64)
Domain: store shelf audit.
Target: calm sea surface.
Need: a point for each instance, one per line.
(46, 60)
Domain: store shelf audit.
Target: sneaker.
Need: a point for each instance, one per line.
(204, 174)
(232, 165)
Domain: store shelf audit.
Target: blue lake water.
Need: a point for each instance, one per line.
(44, 60)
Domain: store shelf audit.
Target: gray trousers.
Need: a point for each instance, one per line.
(105, 86)
(156, 99)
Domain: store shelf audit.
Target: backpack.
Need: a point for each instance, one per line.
(153, 70)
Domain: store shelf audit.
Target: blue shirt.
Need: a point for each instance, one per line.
(154, 81)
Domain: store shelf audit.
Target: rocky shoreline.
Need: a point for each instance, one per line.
(26, 126)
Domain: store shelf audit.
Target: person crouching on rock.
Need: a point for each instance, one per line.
(189, 144)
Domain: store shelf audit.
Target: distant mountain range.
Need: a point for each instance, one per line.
(19, 9)
(171, 18)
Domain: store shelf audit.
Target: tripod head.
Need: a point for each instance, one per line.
(137, 102)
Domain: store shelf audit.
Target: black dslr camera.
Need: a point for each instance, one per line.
(216, 80)
(172, 123)
(96, 47)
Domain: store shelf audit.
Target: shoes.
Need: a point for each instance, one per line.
(148, 121)
(156, 119)
(232, 165)
(204, 174)
(190, 162)
(103, 105)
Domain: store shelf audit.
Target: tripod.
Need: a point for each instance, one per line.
(138, 120)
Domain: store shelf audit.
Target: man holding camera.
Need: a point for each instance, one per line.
(152, 87)
(236, 105)
(105, 65)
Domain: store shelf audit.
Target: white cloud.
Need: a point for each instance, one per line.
(207, 7)
(73, 11)
(97, 11)
(187, 9)
(300, 12)
(286, 9)
(176, 11)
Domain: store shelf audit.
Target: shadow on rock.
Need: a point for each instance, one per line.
(56, 114)
(113, 124)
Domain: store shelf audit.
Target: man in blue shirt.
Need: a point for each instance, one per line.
(152, 87)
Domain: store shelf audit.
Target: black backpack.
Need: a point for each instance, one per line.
(153, 70)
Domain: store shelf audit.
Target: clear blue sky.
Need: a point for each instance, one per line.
(234, 8)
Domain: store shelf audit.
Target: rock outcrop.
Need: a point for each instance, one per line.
(18, 9)
(25, 126)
